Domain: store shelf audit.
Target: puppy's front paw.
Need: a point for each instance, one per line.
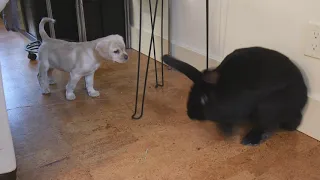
(70, 96)
(45, 90)
(93, 93)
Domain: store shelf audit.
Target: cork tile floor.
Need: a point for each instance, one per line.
(96, 139)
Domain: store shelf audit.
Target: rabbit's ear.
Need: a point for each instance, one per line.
(191, 72)
(211, 76)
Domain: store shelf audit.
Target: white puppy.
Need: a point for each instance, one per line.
(80, 59)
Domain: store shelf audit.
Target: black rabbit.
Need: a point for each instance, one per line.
(252, 85)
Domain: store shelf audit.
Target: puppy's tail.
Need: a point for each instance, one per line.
(42, 32)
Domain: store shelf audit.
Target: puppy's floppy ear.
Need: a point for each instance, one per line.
(102, 47)
(211, 76)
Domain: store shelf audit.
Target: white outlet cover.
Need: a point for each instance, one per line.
(312, 35)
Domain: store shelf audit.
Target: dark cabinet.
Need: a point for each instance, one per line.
(33, 10)
(63, 11)
(102, 18)
(66, 26)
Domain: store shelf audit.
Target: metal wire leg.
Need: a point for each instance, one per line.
(32, 49)
(138, 69)
(162, 81)
(147, 69)
(207, 32)
(154, 45)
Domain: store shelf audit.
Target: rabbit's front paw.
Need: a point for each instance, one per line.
(255, 137)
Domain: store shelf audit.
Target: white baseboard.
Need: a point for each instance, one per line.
(311, 123)
(145, 43)
(7, 152)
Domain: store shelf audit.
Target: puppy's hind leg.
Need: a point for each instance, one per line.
(89, 85)
(43, 77)
(74, 79)
(50, 77)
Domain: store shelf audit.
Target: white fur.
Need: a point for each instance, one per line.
(80, 59)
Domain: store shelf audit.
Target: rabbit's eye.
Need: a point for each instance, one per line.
(204, 99)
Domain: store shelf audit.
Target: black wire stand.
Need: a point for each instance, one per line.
(135, 115)
(32, 49)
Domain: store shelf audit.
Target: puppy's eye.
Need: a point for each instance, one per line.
(204, 99)
(116, 51)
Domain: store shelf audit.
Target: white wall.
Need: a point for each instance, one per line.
(275, 24)
(233, 24)
(189, 26)
(146, 25)
(188, 29)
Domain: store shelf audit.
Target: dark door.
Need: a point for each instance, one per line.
(64, 11)
(33, 11)
(104, 18)
(66, 26)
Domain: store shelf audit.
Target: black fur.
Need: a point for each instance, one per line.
(255, 85)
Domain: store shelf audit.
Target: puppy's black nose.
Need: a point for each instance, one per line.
(125, 57)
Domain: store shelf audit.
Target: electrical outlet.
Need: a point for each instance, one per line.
(312, 47)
